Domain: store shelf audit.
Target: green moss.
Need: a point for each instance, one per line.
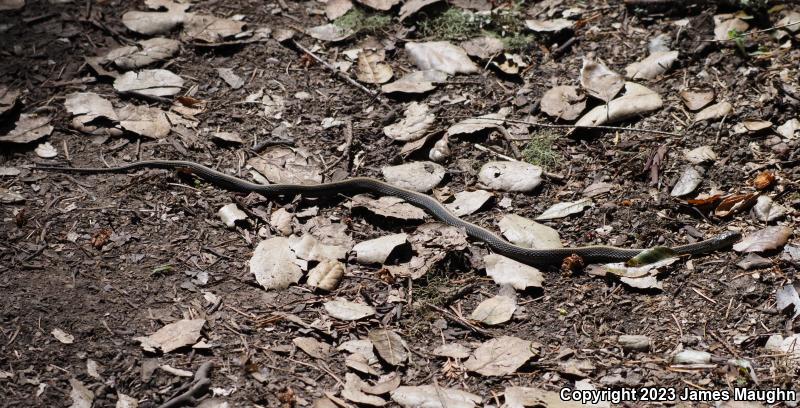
(517, 42)
(358, 20)
(539, 150)
(453, 24)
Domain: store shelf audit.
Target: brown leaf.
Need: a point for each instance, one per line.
(735, 203)
(390, 346)
(764, 180)
(371, 68)
(764, 240)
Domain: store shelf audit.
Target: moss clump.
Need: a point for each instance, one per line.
(453, 24)
(539, 150)
(357, 20)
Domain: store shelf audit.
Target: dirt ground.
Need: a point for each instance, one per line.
(108, 258)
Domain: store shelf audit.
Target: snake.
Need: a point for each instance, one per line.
(357, 185)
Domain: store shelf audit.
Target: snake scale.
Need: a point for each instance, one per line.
(535, 257)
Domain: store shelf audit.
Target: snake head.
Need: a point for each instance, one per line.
(726, 239)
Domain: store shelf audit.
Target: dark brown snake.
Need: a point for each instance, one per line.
(536, 257)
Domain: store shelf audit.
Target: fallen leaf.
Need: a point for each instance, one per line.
(734, 203)
(494, 310)
(152, 23)
(10, 197)
(506, 271)
(527, 233)
(751, 126)
(388, 206)
(764, 180)
(145, 52)
(421, 176)
(561, 210)
(652, 66)
(360, 363)
(81, 396)
(382, 5)
(521, 397)
(343, 309)
(599, 81)
(29, 128)
(230, 78)
(378, 250)
(210, 29)
(688, 182)
(363, 347)
(173, 336)
(787, 299)
(637, 100)
(509, 64)
(434, 396)
(285, 165)
(766, 210)
(414, 125)
(46, 151)
(695, 100)
(326, 275)
(390, 346)
(724, 24)
(372, 69)
(500, 356)
(8, 5)
(329, 32)
(790, 128)
(715, 111)
(62, 336)
(386, 384)
(479, 124)
(8, 99)
(789, 345)
(144, 121)
(227, 137)
(230, 213)
(337, 8)
(441, 56)
(700, 155)
(416, 82)
(353, 391)
(483, 47)
(468, 202)
(564, 102)
(274, 264)
(689, 356)
(313, 347)
(622, 270)
(309, 248)
(548, 26)
(452, 350)
(125, 401)
(645, 282)
(765, 239)
(88, 106)
(149, 82)
(597, 188)
(412, 6)
(510, 176)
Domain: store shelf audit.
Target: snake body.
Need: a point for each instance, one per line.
(535, 257)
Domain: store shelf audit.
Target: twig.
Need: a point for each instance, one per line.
(547, 125)
(514, 149)
(348, 143)
(333, 69)
(197, 386)
(458, 320)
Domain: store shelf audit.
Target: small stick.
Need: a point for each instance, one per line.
(348, 143)
(66, 150)
(546, 125)
(198, 385)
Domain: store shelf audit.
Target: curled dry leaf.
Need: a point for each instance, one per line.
(10, 197)
(285, 165)
(510, 176)
(309, 248)
(638, 99)
(440, 150)
(766, 210)
(211, 29)
(313, 347)
(146, 52)
(548, 26)
(479, 124)
(274, 264)
(510, 64)
(378, 250)
(697, 99)
(149, 82)
(412, 6)
(326, 275)
(724, 24)
(152, 23)
(715, 111)
(329, 32)
(690, 179)
(230, 77)
(788, 130)
(734, 203)
(494, 310)
(483, 47)
(227, 137)
(353, 391)
(46, 151)
(337, 8)
(63, 336)
(372, 69)
(622, 270)
(388, 206)
(564, 102)
(652, 66)
(468, 202)
(144, 121)
(88, 106)
(416, 122)
(416, 176)
(527, 233)
(389, 345)
(441, 56)
(386, 384)
(500, 356)
(416, 82)
(230, 213)
(597, 188)
(765, 239)
(599, 81)
(29, 128)
(506, 271)
(344, 309)
(561, 210)
(434, 396)
(751, 126)
(173, 336)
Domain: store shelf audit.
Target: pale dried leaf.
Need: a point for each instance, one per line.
(645, 282)
(765, 239)
(326, 275)
(329, 32)
(378, 250)
(597, 188)
(416, 82)
(510, 176)
(652, 66)
(382, 5)
(389, 345)
(285, 165)
(173, 336)
(520, 397)
(750, 126)
(81, 396)
(363, 347)
(360, 363)
(144, 121)
(386, 384)
(688, 182)
(211, 29)
(527, 233)
(62, 336)
(8, 99)
(766, 210)
(785, 345)
(230, 213)
(695, 100)
(724, 24)
(274, 264)
(146, 52)
(388, 206)
(371, 68)
(416, 122)
(8, 5)
(786, 297)
(10, 197)
(506, 271)
(441, 56)
(715, 111)
(500, 356)
(421, 176)
(548, 26)
(622, 270)
(337, 8)
(344, 309)
(434, 396)
(790, 128)
(452, 350)
(230, 78)
(149, 82)
(637, 100)
(700, 154)
(494, 310)
(29, 128)
(227, 137)
(468, 202)
(479, 124)
(510, 64)
(313, 347)
(561, 210)
(89, 106)
(564, 102)
(9, 171)
(353, 391)
(599, 81)
(483, 47)
(46, 151)
(152, 23)
(125, 401)
(412, 6)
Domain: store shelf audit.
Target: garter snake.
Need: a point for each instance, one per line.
(536, 257)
